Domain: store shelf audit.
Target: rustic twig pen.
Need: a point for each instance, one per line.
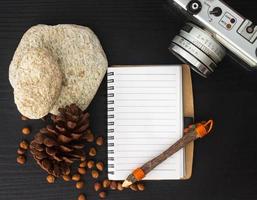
(192, 133)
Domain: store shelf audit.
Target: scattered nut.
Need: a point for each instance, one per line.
(95, 174)
(133, 187)
(99, 141)
(106, 183)
(119, 186)
(140, 187)
(66, 177)
(92, 152)
(82, 158)
(97, 186)
(82, 170)
(102, 195)
(90, 164)
(26, 131)
(76, 177)
(82, 197)
(24, 144)
(21, 151)
(113, 185)
(89, 136)
(100, 166)
(21, 159)
(83, 164)
(50, 178)
(80, 184)
(24, 118)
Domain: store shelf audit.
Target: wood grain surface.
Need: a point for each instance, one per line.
(136, 32)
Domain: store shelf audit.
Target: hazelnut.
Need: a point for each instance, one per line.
(82, 170)
(83, 164)
(99, 141)
(50, 178)
(102, 195)
(113, 185)
(95, 174)
(97, 186)
(66, 177)
(140, 187)
(89, 136)
(82, 158)
(119, 186)
(80, 184)
(76, 177)
(24, 144)
(21, 151)
(82, 197)
(100, 166)
(92, 152)
(21, 159)
(26, 131)
(106, 183)
(133, 187)
(90, 164)
(23, 118)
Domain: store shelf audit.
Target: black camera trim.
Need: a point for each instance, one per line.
(194, 7)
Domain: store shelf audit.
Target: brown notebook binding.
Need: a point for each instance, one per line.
(188, 109)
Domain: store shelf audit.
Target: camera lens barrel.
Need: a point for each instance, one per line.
(198, 48)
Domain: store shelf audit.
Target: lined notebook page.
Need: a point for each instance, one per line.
(145, 117)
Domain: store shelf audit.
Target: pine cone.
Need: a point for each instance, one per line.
(57, 146)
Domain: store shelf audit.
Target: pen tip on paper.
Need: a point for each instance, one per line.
(126, 183)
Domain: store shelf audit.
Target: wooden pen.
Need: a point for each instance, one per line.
(192, 133)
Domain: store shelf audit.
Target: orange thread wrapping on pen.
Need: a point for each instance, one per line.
(203, 129)
(139, 174)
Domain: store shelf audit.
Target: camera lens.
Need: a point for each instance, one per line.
(198, 48)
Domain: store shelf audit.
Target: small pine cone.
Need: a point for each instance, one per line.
(57, 146)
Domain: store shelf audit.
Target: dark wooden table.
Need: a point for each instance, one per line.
(137, 32)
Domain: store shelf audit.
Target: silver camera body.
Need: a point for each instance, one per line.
(215, 28)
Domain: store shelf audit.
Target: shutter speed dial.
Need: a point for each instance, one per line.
(194, 7)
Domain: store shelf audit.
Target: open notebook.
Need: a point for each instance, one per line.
(145, 117)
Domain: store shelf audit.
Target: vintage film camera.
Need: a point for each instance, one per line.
(215, 28)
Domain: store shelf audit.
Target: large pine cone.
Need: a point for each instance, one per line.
(57, 146)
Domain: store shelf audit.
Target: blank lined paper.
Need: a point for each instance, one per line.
(144, 118)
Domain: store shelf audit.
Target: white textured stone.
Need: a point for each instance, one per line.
(80, 57)
(38, 83)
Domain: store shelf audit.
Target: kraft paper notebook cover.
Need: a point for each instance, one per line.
(146, 108)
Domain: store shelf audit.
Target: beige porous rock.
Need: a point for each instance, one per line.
(79, 56)
(38, 83)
